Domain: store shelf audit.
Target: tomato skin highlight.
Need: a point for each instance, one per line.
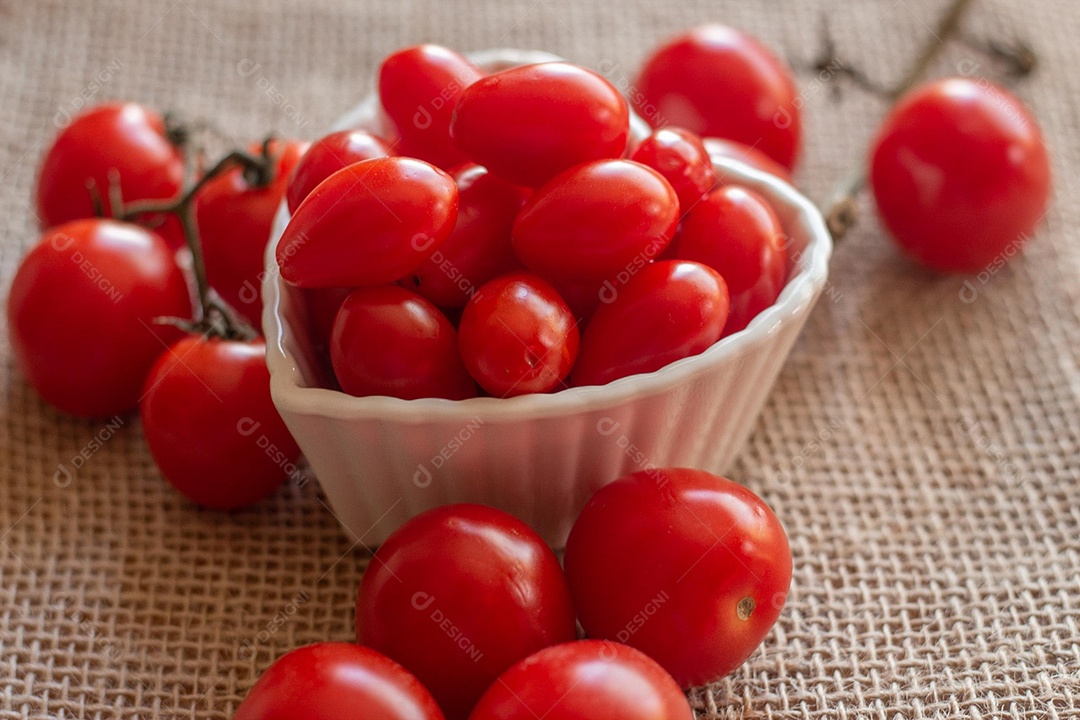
(390, 341)
(960, 174)
(335, 680)
(596, 220)
(717, 81)
(127, 138)
(736, 233)
(211, 424)
(81, 314)
(682, 159)
(584, 680)
(529, 123)
(676, 308)
(478, 570)
(370, 223)
(518, 336)
(326, 156)
(706, 555)
(419, 88)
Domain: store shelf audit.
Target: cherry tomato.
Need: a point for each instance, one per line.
(235, 212)
(960, 174)
(124, 138)
(81, 314)
(458, 595)
(736, 233)
(585, 680)
(518, 336)
(582, 297)
(675, 308)
(720, 147)
(390, 341)
(479, 249)
(681, 158)
(530, 123)
(370, 223)
(688, 567)
(333, 681)
(596, 220)
(328, 155)
(717, 81)
(419, 88)
(211, 426)
(321, 307)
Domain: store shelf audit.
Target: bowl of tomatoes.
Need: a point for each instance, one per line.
(538, 454)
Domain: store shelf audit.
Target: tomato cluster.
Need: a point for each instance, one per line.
(676, 576)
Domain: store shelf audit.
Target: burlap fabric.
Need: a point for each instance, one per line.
(922, 446)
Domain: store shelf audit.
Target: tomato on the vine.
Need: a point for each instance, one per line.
(704, 556)
(329, 154)
(531, 122)
(960, 174)
(682, 159)
(235, 212)
(717, 81)
(585, 680)
(459, 594)
(211, 425)
(121, 142)
(518, 336)
(335, 680)
(81, 313)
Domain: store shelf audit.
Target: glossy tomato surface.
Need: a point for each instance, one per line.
(370, 223)
(681, 158)
(333, 681)
(390, 341)
(960, 174)
(717, 81)
(736, 233)
(81, 314)
(235, 212)
(585, 680)
(518, 336)
(458, 595)
(530, 123)
(720, 147)
(329, 154)
(479, 249)
(419, 88)
(211, 426)
(122, 140)
(669, 310)
(688, 567)
(596, 220)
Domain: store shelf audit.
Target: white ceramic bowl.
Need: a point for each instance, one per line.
(382, 460)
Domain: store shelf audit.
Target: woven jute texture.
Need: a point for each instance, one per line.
(922, 446)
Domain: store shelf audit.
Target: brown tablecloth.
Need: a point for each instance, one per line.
(922, 450)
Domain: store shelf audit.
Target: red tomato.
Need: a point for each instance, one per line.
(715, 80)
(419, 88)
(530, 123)
(333, 681)
(585, 680)
(596, 220)
(518, 336)
(719, 147)
(582, 297)
(680, 157)
(675, 309)
(370, 223)
(690, 568)
(390, 341)
(960, 174)
(81, 314)
(211, 426)
(479, 249)
(234, 216)
(458, 595)
(321, 307)
(736, 233)
(328, 155)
